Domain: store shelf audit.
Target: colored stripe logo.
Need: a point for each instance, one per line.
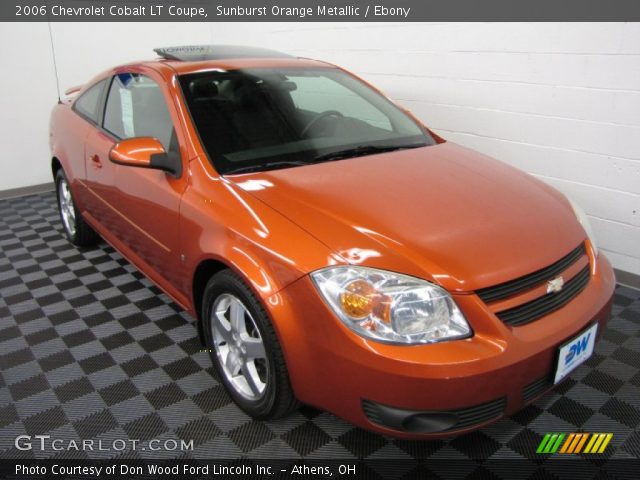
(573, 443)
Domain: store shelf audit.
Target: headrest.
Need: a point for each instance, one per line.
(248, 93)
(203, 88)
(287, 86)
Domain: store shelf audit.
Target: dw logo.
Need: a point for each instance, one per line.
(577, 348)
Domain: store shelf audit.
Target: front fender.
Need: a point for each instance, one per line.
(221, 222)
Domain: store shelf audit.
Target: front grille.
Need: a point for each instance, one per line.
(480, 413)
(534, 389)
(457, 419)
(521, 284)
(546, 304)
(373, 412)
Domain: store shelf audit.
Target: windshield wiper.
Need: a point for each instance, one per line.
(265, 166)
(362, 150)
(346, 153)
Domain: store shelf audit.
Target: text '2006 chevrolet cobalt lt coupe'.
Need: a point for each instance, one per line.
(334, 250)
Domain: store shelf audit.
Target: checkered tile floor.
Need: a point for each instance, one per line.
(89, 349)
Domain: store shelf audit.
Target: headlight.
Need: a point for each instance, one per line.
(584, 221)
(389, 307)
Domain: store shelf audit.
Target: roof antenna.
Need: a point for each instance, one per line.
(55, 65)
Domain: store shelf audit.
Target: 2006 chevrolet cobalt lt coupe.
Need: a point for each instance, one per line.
(334, 250)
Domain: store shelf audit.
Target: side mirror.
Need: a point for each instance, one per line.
(146, 152)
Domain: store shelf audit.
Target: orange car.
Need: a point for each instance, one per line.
(334, 250)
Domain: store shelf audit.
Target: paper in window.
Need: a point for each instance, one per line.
(126, 104)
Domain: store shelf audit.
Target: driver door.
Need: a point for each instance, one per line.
(139, 206)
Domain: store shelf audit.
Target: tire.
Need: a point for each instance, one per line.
(75, 228)
(256, 379)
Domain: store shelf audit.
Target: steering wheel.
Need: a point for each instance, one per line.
(325, 114)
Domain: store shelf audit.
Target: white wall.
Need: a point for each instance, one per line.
(28, 80)
(85, 49)
(561, 101)
(28, 86)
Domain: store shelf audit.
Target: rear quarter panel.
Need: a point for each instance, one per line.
(67, 134)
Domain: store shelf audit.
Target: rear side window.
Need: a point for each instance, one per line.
(88, 104)
(136, 108)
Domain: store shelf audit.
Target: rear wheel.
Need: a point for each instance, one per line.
(244, 348)
(76, 229)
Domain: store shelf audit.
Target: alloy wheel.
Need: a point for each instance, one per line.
(239, 347)
(67, 209)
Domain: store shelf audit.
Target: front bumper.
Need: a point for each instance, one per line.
(460, 385)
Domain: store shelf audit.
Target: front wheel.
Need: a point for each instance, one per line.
(76, 229)
(244, 348)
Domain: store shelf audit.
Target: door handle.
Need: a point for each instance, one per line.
(95, 161)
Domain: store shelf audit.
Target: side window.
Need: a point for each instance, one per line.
(88, 104)
(136, 108)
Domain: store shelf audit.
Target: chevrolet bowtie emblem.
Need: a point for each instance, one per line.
(555, 285)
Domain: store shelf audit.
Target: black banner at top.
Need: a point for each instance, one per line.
(318, 10)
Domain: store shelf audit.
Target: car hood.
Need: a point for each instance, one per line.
(445, 213)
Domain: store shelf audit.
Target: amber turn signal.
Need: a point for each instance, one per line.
(361, 299)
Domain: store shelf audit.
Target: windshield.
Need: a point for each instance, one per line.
(259, 119)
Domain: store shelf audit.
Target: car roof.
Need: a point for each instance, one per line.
(195, 58)
(195, 53)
